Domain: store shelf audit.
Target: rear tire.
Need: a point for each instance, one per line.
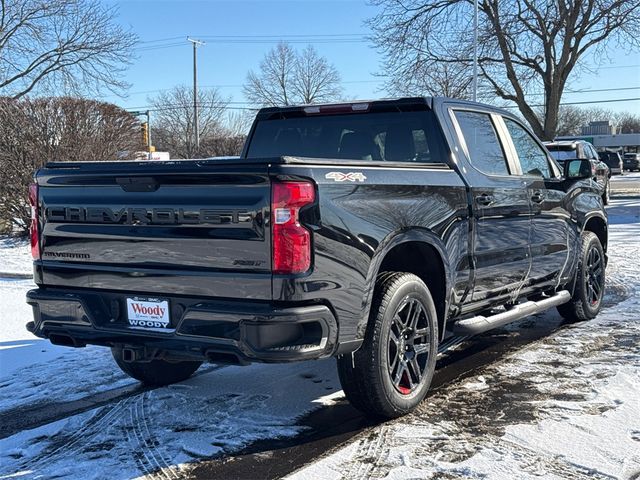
(589, 283)
(392, 371)
(156, 372)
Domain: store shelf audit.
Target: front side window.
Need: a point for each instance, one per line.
(533, 158)
(484, 148)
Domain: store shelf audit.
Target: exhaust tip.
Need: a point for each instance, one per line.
(65, 340)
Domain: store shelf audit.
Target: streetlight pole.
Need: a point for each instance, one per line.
(195, 43)
(475, 50)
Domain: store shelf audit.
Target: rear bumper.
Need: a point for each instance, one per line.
(218, 331)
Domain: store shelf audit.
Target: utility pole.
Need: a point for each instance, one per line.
(475, 50)
(195, 43)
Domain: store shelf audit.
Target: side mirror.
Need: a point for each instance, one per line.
(578, 169)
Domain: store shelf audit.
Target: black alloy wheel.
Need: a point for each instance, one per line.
(589, 284)
(409, 345)
(594, 279)
(390, 374)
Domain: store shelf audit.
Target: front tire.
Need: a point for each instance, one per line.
(156, 372)
(392, 371)
(589, 282)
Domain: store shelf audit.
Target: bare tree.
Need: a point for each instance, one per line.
(288, 77)
(272, 86)
(172, 124)
(572, 118)
(524, 44)
(314, 80)
(33, 132)
(61, 45)
(627, 122)
(446, 79)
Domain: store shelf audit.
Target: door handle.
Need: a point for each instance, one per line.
(537, 197)
(484, 199)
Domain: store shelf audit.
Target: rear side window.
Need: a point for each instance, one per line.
(533, 159)
(482, 142)
(384, 136)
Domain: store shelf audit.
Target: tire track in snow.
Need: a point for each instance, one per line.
(18, 419)
(104, 418)
(552, 464)
(164, 467)
(371, 449)
(127, 413)
(140, 448)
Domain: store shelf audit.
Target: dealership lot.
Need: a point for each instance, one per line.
(540, 397)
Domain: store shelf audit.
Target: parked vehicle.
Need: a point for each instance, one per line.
(375, 232)
(613, 161)
(571, 149)
(631, 161)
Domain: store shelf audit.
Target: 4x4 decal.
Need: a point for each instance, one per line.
(346, 177)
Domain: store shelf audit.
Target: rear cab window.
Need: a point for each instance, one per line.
(481, 139)
(412, 137)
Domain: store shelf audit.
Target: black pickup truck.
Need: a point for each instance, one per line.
(372, 231)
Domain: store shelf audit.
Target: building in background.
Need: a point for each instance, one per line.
(603, 136)
(604, 127)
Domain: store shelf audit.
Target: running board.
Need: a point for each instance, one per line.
(479, 324)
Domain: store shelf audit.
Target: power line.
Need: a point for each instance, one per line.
(273, 36)
(160, 47)
(226, 107)
(239, 85)
(161, 39)
(189, 107)
(228, 85)
(586, 90)
(614, 100)
(619, 66)
(251, 42)
(171, 42)
(617, 89)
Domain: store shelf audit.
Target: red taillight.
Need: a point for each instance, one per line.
(34, 229)
(291, 241)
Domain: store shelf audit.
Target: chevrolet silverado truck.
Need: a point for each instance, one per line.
(375, 232)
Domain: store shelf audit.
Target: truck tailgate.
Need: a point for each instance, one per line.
(176, 227)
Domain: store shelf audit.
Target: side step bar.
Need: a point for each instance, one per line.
(479, 324)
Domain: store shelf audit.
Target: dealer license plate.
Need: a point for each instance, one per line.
(148, 313)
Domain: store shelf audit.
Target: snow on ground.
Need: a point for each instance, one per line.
(565, 407)
(15, 255)
(162, 430)
(25, 359)
(219, 410)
